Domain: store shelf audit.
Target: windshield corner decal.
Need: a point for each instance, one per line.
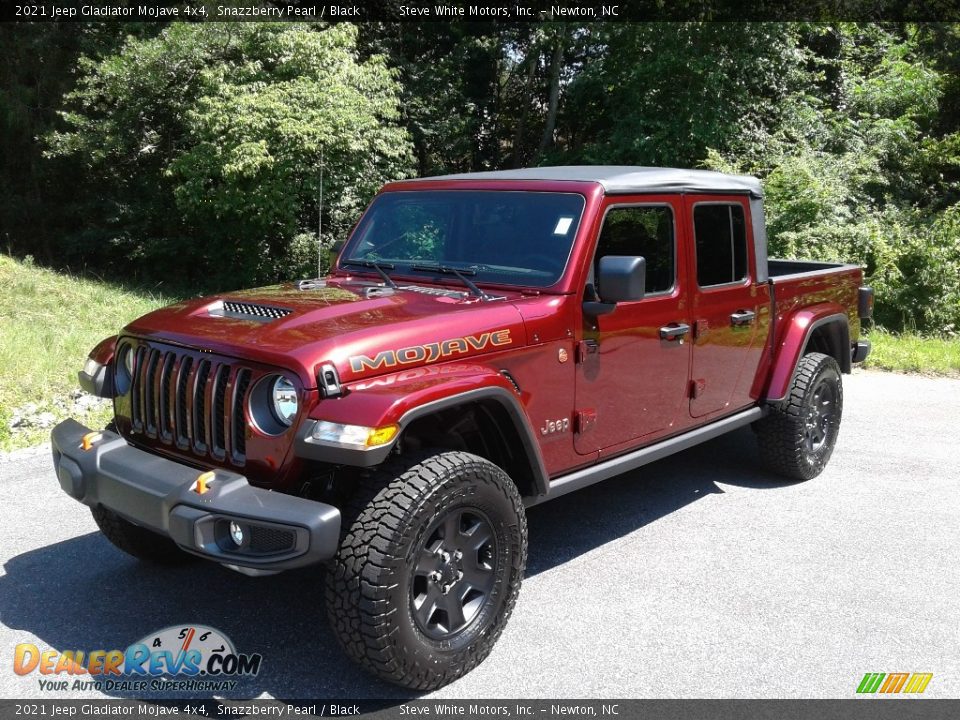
(431, 352)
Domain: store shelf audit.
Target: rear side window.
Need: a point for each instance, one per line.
(721, 239)
(646, 231)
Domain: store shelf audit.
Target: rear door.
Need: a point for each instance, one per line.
(727, 305)
(631, 384)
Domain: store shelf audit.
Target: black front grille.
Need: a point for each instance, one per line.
(201, 420)
(197, 405)
(181, 422)
(239, 429)
(219, 440)
(235, 309)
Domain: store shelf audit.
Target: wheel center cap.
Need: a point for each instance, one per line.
(449, 572)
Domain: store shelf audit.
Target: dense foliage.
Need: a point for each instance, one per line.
(191, 153)
(202, 148)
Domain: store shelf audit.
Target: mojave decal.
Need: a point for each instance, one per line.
(431, 352)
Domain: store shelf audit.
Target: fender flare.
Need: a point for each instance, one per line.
(793, 346)
(507, 399)
(101, 382)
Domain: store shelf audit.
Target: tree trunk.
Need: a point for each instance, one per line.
(547, 140)
(517, 159)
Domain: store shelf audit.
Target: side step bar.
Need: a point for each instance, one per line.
(624, 463)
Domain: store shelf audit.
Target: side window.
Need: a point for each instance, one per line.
(646, 231)
(721, 239)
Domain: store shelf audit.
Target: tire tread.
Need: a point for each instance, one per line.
(780, 433)
(358, 579)
(139, 542)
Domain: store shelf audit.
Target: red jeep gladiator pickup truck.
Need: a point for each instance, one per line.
(484, 342)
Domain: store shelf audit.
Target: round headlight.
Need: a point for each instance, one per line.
(128, 360)
(284, 400)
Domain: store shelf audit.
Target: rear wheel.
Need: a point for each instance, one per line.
(797, 437)
(428, 569)
(139, 542)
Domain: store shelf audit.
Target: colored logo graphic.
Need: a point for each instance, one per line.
(911, 683)
(194, 656)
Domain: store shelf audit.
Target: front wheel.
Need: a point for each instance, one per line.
(798, 436)
(429, 569)
(139, 542)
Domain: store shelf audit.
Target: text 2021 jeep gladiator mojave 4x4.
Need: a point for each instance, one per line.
(484, 342)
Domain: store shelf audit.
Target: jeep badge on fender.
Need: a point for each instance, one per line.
(421, 393)
(554, 426)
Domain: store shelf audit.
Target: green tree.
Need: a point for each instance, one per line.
(37, 66)
(205, 143)
(663, 93)
(453, 94)
(863, 172)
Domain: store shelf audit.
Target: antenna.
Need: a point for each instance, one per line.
(320, 222)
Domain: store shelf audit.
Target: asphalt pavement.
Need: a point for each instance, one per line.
(699, 576)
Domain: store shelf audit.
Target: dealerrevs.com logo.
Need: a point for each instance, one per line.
(191, 658)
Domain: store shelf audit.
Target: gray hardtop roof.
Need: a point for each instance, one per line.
(625, 179)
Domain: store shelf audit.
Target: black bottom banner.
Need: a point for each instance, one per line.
(866, 708)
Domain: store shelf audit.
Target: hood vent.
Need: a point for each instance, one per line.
(247, 311)
(312, 284)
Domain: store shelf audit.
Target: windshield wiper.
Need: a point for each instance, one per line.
(380, 267)
(461, 275)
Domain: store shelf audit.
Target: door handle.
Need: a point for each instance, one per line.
(674, 331)
(742, 317)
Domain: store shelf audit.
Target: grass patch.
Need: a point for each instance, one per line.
(48, 324)
(913, 353)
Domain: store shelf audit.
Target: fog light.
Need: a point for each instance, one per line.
(236, 534)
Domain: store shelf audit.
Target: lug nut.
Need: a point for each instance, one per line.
(457, 555)
(435, 576)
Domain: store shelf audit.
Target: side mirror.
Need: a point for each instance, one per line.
(621, 278)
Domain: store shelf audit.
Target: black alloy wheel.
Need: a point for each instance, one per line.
(455, 574)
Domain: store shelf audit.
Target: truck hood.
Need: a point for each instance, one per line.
(364, 329)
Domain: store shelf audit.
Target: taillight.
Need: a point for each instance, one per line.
(865, 303)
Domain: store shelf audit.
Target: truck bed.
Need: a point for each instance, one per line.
(788, 268)
(798, 284)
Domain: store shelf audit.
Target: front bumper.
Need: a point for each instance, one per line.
(283, 531)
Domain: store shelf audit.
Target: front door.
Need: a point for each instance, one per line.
(633, 363)
(727, 305)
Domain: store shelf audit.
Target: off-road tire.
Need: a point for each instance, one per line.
(796, 438)
(371, 584)
(139, 542)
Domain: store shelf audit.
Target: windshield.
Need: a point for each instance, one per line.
(518, 238)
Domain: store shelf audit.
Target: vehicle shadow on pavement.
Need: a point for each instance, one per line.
(570, 526)
(84, 594)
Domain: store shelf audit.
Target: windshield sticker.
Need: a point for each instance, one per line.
(431, 352)
(563, 226)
